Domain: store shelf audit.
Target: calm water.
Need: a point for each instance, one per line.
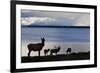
(56, 34)
(76, 38)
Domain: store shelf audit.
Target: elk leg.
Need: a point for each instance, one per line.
(70, 52)
(51, 53)
(39, 53)
(56, 53)
(45, 54)
(29, 53)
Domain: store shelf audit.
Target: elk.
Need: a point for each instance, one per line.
(68, 51)
(36, 47)
(46, 51)
(56, 50)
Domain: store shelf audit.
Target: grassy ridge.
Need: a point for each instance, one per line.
(62, 57)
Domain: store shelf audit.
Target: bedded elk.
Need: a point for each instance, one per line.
(36, 47)
(68, 51)
(56, 50)
(46, 51)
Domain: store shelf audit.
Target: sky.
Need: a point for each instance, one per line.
(54, 18)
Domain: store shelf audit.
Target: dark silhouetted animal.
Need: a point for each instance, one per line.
(46, 51)
(56, 50)
(68, 51)
(36, 47)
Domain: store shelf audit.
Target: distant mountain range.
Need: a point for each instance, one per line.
(55, 26)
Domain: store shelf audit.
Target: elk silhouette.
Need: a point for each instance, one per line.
(68, 51)
(46, 51)
(36, 47)
(56, 50)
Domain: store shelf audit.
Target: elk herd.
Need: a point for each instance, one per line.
(39, 46)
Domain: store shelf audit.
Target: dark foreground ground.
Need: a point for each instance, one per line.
(73, 56)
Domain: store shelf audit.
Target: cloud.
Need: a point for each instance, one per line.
(83, 21)
(35, 20)
(59, 18)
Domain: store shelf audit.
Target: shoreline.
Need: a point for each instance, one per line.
(76, 47)
(63, 57)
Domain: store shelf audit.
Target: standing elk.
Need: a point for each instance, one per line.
(68, 51)
(56, 50)
(36, 47)
(46, 51)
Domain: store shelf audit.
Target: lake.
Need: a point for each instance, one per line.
(76, 38)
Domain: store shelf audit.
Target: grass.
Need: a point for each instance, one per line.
(59, 57)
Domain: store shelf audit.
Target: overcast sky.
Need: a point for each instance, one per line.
(53, 18)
